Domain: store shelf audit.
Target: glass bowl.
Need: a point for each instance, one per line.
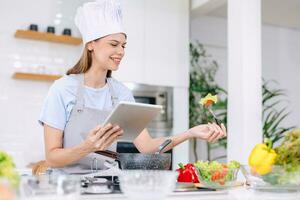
(220, 181)
(147, 184)
(278, 180)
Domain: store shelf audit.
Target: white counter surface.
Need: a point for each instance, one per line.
(237, 193)
(240, 193)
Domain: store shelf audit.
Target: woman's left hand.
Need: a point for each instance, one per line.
(209, 132)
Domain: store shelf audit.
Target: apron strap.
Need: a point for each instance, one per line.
(113, 96)
(80, 92)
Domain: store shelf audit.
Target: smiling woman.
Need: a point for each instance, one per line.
(80, 101)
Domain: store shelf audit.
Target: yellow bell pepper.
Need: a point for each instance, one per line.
(262, 157)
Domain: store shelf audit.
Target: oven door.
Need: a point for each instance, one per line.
(145, 99)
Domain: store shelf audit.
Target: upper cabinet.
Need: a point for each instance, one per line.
(158, 42)
(167, 42)
(132, 65)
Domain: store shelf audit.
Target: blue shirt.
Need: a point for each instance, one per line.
(62, 96)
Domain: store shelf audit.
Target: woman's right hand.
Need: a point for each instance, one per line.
(210, 132)
(100, 138)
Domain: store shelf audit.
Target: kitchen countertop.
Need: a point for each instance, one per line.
(240, 193)
(237, 193)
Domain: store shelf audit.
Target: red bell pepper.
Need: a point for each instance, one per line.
(187, 173)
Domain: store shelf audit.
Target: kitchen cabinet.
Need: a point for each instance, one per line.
(167, 42)
(158, 42)
(132, 65)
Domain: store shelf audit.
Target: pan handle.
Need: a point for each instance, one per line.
(163, 146)
(108, 153)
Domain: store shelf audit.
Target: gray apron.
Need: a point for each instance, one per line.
(82, 120)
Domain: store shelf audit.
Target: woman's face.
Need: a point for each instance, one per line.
(108, 51)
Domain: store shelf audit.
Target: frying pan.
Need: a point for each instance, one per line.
(157, 161)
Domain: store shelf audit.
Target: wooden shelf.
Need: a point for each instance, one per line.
(50, 37)
(37, 77)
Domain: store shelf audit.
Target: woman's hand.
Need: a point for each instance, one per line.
(209, 132)
(100, 138)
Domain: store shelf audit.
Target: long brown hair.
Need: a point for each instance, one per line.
(84, 64)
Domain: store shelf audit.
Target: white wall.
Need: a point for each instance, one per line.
(21, 101)
(280, 56)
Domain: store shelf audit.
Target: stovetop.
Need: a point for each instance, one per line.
(100, 185)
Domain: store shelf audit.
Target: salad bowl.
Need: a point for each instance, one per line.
(216, 175)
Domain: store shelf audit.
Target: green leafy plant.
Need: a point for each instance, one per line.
(275, 111)
(202, 81)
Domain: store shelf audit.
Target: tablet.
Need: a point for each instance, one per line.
(132, 117)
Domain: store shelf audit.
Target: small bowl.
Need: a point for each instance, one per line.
(221, 183)
(278, 180)
(147, 184)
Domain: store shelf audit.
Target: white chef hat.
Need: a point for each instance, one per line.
(98, 19)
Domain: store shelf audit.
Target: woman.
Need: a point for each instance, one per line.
(79, 102)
